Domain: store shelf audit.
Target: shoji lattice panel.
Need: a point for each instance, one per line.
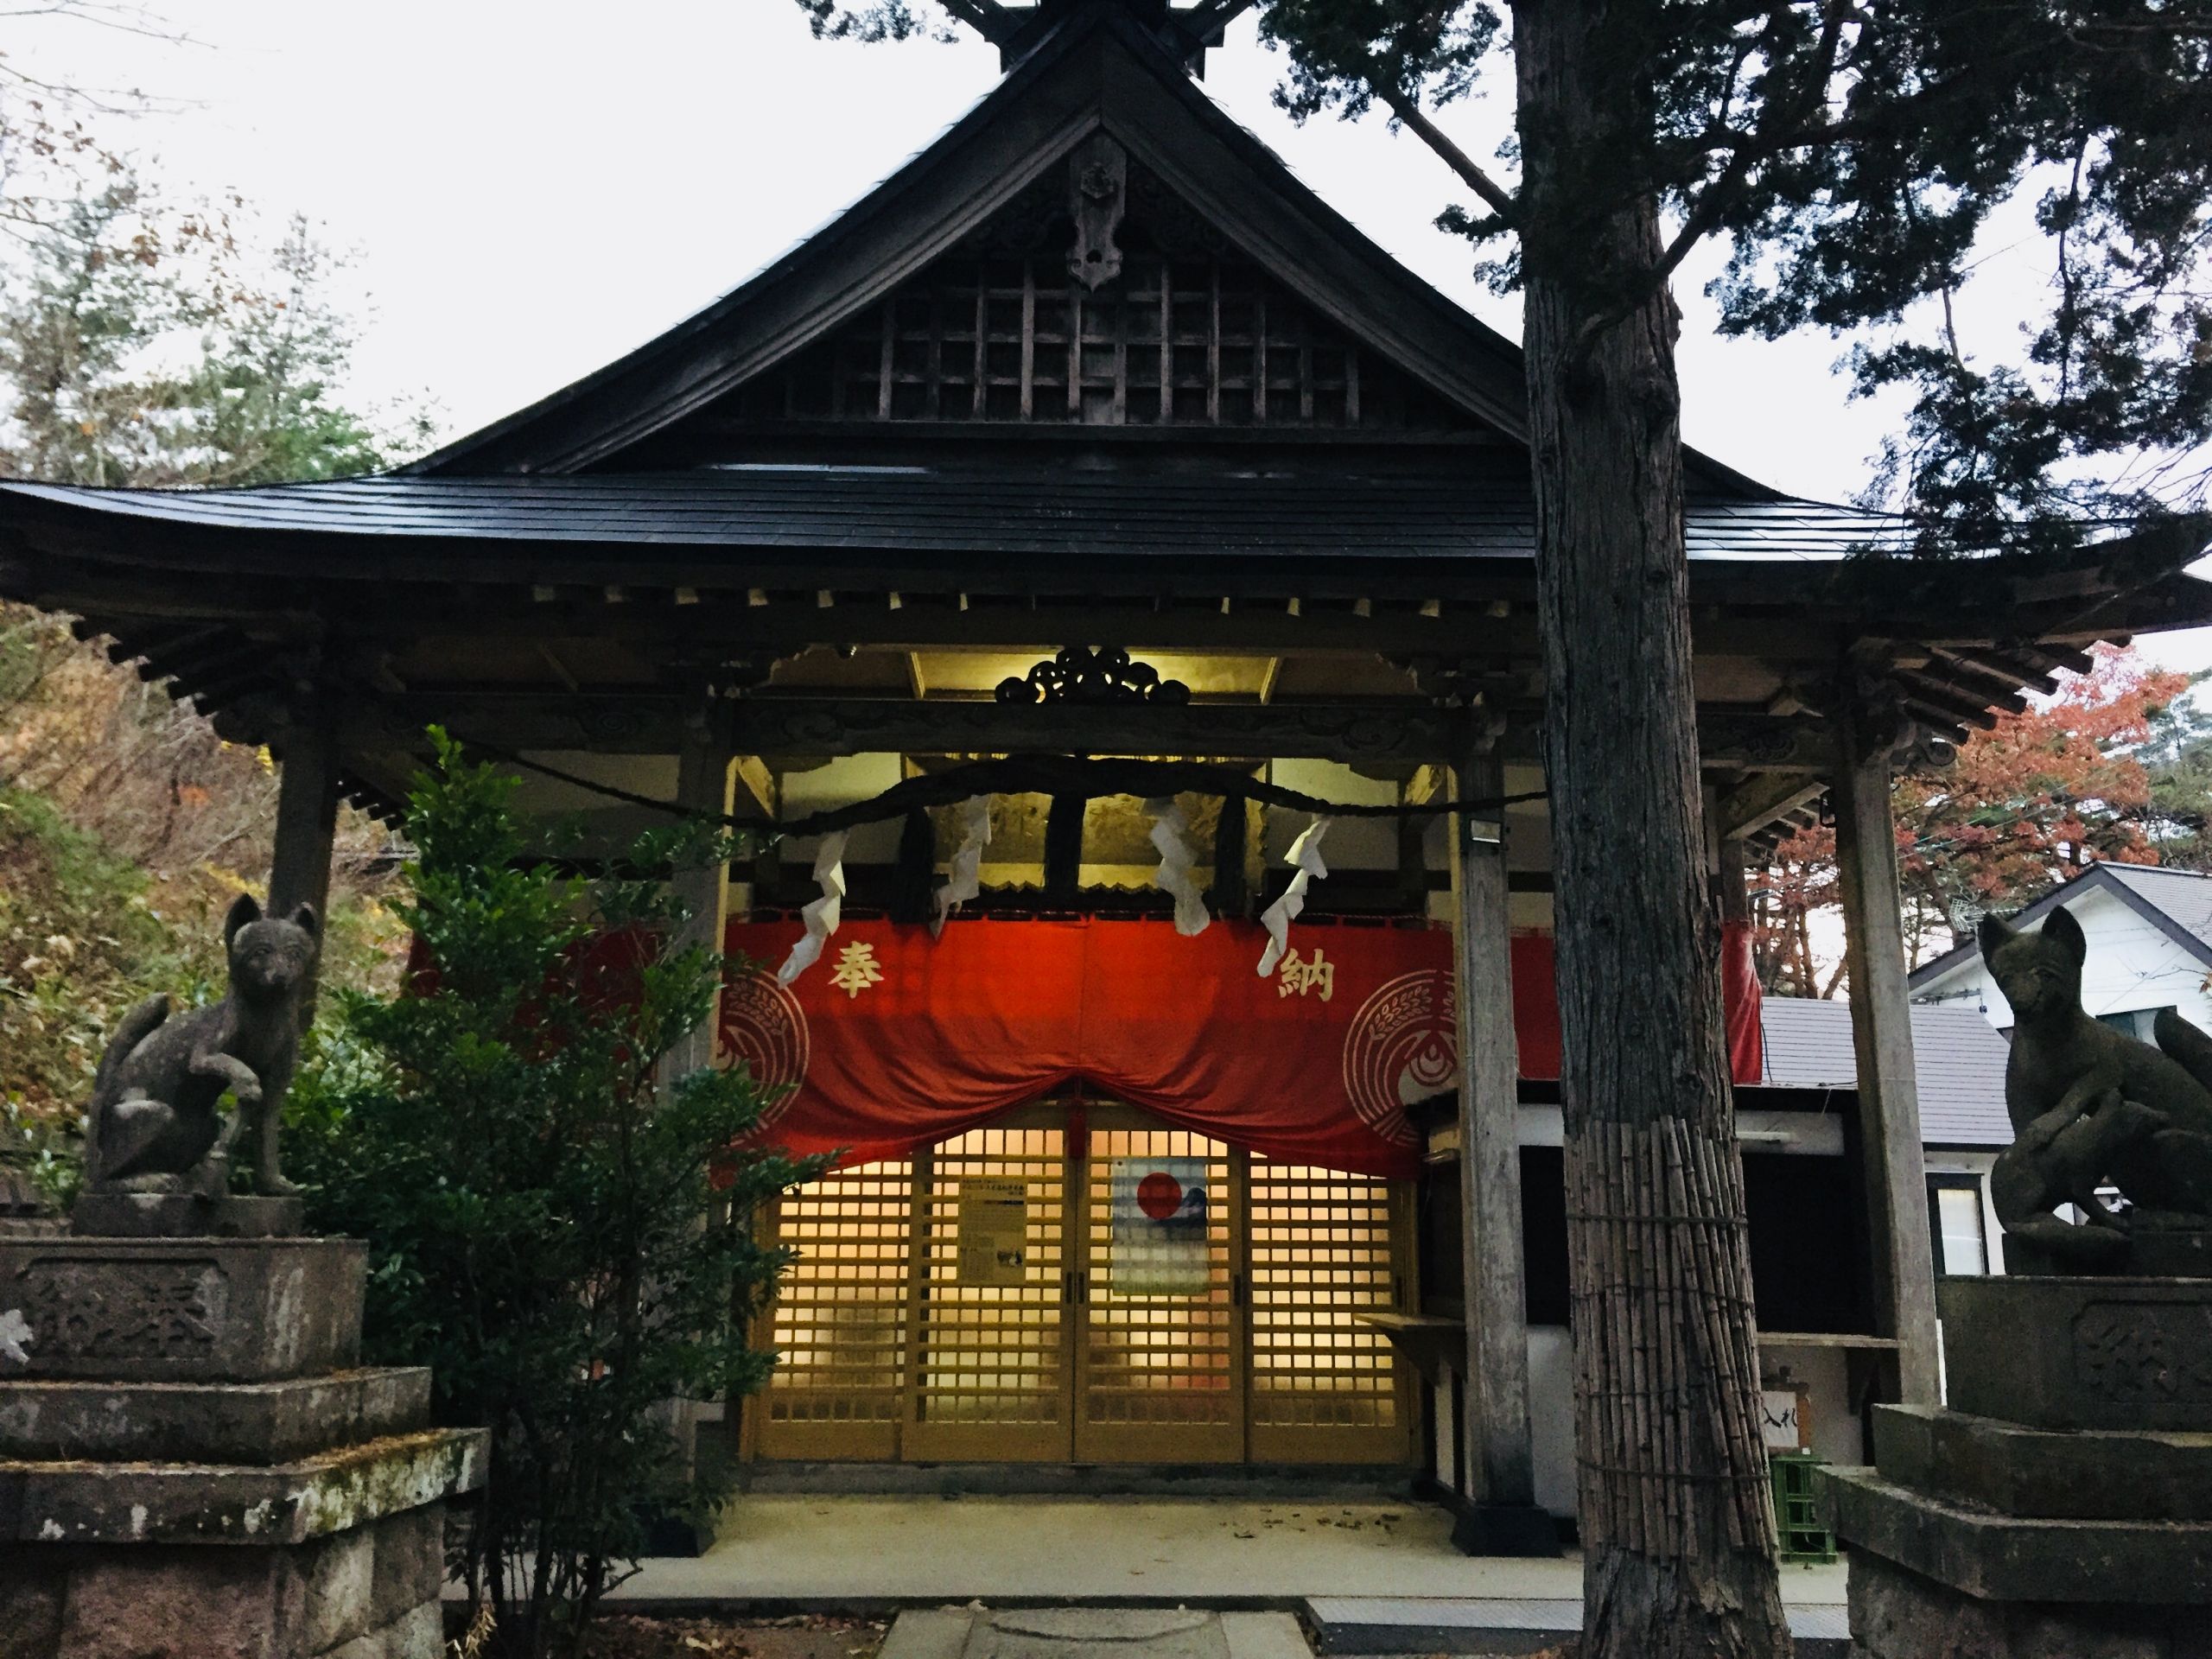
(1324, 1389)
(1162, 1374)
(1187, 340)
(990, 1362)
(839, 1320)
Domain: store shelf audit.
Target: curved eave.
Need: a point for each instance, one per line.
(1430, 538)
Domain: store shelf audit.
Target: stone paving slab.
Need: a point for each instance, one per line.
(1092, 1633)
(790, 1553)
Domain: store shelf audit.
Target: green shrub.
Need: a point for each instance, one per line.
(564, 1238)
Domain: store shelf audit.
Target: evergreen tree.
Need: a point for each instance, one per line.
(559, 1231)
(1860, 158)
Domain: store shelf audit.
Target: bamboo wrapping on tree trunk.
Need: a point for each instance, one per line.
(1678, 1235)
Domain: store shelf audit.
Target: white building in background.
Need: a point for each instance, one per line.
(2150, 934)
(1959, 1062)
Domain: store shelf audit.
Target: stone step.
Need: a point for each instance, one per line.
(62, 1503)
(2076, 1474)
(209, 1423)
(1503, 1624)
(2014, 1559)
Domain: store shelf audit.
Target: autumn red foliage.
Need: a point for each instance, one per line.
(2041, 795)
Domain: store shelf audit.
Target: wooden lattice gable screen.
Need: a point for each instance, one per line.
(1191, 334)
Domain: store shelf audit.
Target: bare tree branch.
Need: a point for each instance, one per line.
(1202, 22)
(1416, 120)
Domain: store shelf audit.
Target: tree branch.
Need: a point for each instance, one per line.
(1713, 201)
(1401, 106)
(1201, 22)
(987, 17)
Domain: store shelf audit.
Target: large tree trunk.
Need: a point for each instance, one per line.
(1676, 1525)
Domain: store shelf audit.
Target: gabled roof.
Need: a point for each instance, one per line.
(2179, 903)
(1099, 69)
(1958, 1061)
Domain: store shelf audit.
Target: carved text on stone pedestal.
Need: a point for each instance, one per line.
(95, 1308)
(2152, 1351)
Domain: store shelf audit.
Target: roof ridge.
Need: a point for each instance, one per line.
(2120, 864)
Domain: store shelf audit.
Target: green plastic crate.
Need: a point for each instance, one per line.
(1797, 1516)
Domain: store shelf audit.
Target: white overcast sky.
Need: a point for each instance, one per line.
(529, 190)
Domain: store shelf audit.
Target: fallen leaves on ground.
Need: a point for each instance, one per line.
(798, 1636)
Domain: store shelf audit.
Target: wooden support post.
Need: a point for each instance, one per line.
(706, 775)
(1881, 1032)
(306, 828)
(1503, 1518)
(307, 817)
(1731, 883)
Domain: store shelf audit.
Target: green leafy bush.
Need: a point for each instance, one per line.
(562, 1235)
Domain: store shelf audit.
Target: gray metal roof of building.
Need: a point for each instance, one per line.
(949, 511)
(2179, 903)
(2184, 895)
(1958, 1057)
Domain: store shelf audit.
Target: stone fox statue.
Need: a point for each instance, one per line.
(2090, 1104)
(154, 1116)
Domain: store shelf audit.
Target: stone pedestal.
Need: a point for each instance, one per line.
(2062, 1503)
(194, 1463)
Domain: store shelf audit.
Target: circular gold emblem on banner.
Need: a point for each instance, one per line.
(764, 1027)
(1403, 1046)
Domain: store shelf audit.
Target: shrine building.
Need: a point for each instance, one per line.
(1097, 487)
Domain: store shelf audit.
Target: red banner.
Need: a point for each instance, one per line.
(896, 1040)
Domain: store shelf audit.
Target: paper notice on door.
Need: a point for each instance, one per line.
(994, 1223)
(1159, 1227)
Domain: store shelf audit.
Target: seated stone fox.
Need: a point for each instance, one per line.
(154, 1119)
(2091, 1105)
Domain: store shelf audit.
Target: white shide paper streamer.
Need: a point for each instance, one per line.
(821, 916)
(1169, 829)
(1306, 853)
(967, 877)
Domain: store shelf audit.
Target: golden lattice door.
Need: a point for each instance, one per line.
(838, 1323)
(976, 1305)
(1160, 1375)
(989, 1359)
(1324, 1248)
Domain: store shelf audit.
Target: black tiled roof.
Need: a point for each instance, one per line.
(920, 509)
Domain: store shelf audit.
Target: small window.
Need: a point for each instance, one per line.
(2137, 1022)
(1954, 1205)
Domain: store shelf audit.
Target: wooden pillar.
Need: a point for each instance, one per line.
(1881, 1032)
(307, 815)
(306, 828)
(1731, 883)
(1495, 1429)
(706, 774)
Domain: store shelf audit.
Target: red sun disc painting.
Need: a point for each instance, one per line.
(1159, 1195)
